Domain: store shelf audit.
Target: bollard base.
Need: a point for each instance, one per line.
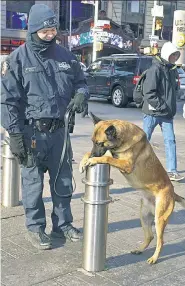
(87, 273)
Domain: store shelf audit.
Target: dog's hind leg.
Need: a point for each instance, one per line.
(164, 207)
(147, 219)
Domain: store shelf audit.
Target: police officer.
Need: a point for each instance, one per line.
(37, 86)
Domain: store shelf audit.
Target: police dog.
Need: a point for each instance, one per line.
(124, 145)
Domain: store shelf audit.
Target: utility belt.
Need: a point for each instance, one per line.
(46, 124)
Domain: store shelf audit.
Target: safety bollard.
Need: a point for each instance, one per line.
(10, 176)
(96, 200)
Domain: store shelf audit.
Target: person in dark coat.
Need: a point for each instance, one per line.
(40, 81)
(159, 106)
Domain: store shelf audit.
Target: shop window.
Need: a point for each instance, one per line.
(17, 14)
(16, 20)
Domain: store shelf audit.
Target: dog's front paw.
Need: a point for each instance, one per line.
(81, 167)
(83, 164)
(91, 161)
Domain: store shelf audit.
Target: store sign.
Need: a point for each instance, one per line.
(17, 42)
(103, 24)
(92, 2)
(158, 11)
(179, 34)
(5, 41)
(102, 36)
(113, 39)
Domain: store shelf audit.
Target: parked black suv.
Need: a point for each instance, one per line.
(115, 76)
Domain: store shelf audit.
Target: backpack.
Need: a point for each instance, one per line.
(138, 91)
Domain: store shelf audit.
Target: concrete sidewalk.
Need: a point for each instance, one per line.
(24, 265)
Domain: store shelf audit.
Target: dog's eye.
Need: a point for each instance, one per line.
(100, 144)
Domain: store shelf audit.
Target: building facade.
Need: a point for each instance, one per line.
(133, 16)
(136, 16)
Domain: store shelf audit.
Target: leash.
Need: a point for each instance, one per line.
(67, 118)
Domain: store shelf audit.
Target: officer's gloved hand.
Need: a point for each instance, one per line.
(78, 102)
(17, 146)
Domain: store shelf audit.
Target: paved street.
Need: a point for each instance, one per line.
(24, 265)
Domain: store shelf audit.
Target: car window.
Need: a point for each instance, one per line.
(145, 63)
(180, 71)
(94, 66)
(100, 65)
(105, 65)
(127, 65)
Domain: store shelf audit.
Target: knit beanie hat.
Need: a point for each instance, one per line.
(41, 17)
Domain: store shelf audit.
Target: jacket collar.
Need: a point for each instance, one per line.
(158, 60)
(39, 46)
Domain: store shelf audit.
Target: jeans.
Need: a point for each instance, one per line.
(149, 124)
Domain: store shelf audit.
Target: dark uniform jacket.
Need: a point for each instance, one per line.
(39, 83)
(160, 89)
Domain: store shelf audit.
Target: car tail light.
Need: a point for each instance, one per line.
(178, 80)
(135, 79)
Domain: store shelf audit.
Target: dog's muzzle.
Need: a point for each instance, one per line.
(98, 151)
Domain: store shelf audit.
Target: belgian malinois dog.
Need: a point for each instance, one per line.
(124, 145)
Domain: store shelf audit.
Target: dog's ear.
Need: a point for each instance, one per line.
(111, 132)
(94, 118)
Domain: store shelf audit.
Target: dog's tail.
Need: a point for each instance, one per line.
(180, 200)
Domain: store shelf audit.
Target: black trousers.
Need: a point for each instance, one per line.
(46, 157)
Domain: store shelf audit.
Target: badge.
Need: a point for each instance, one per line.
(64, 66)
(5, 66)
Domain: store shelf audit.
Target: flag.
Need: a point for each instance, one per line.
(92, 2)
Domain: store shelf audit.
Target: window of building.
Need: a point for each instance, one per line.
(133, 6)
(136, 6)
(80, 12)
(137, 29)
(17, 14)
(167, 27)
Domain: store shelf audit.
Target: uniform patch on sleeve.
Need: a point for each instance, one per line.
(5, 67)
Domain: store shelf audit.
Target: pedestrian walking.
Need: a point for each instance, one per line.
(38, 84)
(159, 103)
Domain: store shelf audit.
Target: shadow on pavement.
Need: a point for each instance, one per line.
(170, 251)
(177, 217)
(121, 190)
(58, 242)
(120, 225)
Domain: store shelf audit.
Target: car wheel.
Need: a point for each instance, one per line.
(119, 98)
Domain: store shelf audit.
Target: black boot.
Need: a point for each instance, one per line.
(40, 239)
(70, 232)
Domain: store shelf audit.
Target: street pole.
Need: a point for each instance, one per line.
(154, 18)
(70, 23)
(95, 26)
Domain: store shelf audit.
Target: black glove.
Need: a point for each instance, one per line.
(78, 102)
(17, 146)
